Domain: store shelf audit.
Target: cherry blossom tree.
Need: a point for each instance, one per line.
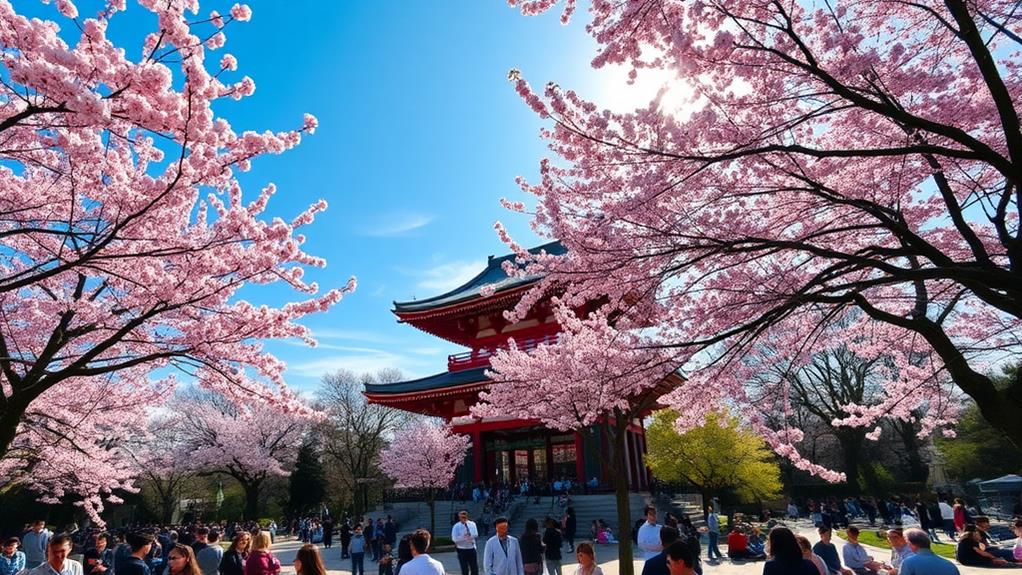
(248, 443)
(72, 441)
(126, 235)
(154, 454)
(843, 172)
(424, 455)
(596, 375)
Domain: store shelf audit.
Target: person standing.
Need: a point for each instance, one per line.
(923, 561)
(11, 560)
(464, 533)
(421, 563)
(390, 532)
(233, 561)
(657, 565)
(570, 526)
(959, 515)
(211, 555)
(502, 555)
(586, 556)
(328, 532)
(531, 544)
(141, 544)
(181, 561)
(552, 542)
(378, 538)
(680, 560)
(345, 537)
(357, 551)
(100, 559)
(368, 533)
(308, 561)
(261, 560)
(713, 524)
(201, 540)
(648, 536)
(34, 543)
(57, 549)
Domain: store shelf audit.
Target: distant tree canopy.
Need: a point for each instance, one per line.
(717, 456)
(979, 450)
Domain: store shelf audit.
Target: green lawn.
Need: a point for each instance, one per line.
(874, 539)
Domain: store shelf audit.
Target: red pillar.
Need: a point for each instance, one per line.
(477, 456)
(580, 464)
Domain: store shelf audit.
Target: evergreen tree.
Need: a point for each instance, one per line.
(307, 483)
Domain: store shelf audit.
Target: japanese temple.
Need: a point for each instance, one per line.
(502, 449)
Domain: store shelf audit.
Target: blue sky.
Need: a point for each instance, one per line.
(420, 135)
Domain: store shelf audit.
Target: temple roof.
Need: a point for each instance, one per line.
(493, 275)
(443, 380)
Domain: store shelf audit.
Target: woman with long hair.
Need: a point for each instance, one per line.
(586, 556)
(961, 515)
(233, 561)
(552, 542)
(308, 561)
(531, 544)
(261, 560)
(181, 561)
(786, 555)
(404, 552)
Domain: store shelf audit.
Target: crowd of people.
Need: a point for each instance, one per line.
(191, 549)
(670, 547)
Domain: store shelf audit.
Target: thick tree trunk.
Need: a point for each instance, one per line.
(917, 470)
(251, 499)
(851, 453)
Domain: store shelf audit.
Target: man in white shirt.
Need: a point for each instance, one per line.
(464, 534)
(649, 535)
(57, 562)
(421, 563)
(502, 555)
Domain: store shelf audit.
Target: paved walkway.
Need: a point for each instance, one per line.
(606, 556)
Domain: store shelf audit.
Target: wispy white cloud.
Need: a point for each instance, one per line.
(390, 225)
(446, 276)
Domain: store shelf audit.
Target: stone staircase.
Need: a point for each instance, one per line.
(588, 508)
(411, 515)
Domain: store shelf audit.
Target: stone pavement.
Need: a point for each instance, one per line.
(606, 556)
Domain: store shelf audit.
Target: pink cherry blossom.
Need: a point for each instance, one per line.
(842, 176)
(241, 12)
(128, 239)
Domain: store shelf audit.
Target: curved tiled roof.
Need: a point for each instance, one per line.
(438, 381)
(493, 275)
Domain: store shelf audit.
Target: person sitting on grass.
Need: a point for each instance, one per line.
(899, 549)
(970, 550)
(855, 555)
(757, 545)
(989, 545)
(738, 546)
(828, 552)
